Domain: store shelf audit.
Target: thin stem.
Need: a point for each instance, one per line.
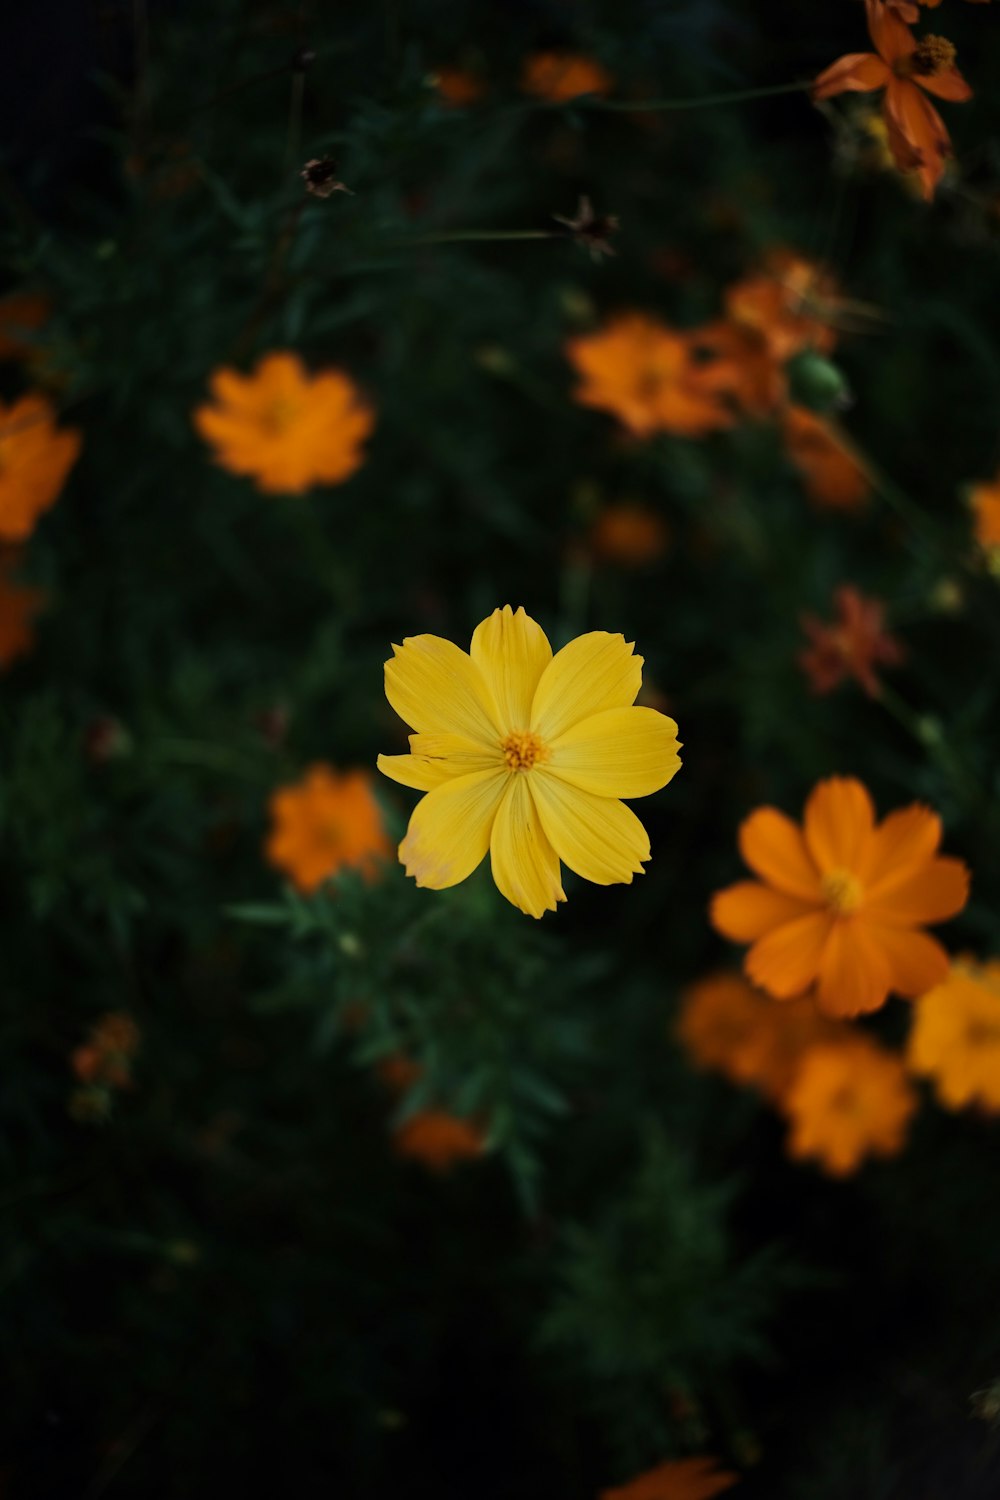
(294, 121)
(469, 236)
(706, 101)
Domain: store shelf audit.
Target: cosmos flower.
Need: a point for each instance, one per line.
(852, 646)
(328, 821)
(841, 902)
(287, 429)
(955, 1037)
(35, 458)
(525, 755)
(558, 76)
(849, 1100)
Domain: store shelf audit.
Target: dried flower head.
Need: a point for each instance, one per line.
(853, 645)
(320, 177)
(591, 230)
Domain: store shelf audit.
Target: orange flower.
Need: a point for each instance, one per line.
(841, 902)
(438, 1140)
(106, 1059)
(558, 76)
(327, 822)
(904, 68)
(832, 476)
(955, 1037)
(985, 501)
(21, 313)
(677, 1479)
(849, 1100)
(850, 647)
(35, 457)
(18, 608)
(649, 377)
(741, 366)
(458, 87)
(398, 1072)
(288, 429)
(629, 534)
(789, 302)
(729, 1027)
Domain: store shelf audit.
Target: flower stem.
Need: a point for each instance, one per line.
(468, 236)
(705, 101)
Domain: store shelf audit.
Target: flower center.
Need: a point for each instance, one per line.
(842, 892)
(281, 414)
(931, 56)
(522, 749)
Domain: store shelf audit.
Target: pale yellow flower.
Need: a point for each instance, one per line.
(525, 755)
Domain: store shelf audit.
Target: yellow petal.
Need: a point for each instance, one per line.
(436, 688)
(512, 652)
(623, 752)
(525, 866)
(456, 754)
(414, 770)
(597, 837)
(592, 674)
(450, 829)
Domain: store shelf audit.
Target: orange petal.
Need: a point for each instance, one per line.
(947, 85)
(745, 911)
(774, 848)
(786, 962)
(909, 836)
(854, 974)
(917, 962)
(839, 820)
(917, 134)
(892, 37)
(930, 893)
(855, 73)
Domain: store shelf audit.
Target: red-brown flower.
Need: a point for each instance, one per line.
(908, 70)
(853, 645)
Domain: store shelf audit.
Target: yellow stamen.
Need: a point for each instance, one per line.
(842, 892)
(931, 56)
(522, 749)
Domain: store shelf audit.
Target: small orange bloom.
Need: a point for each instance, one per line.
(849, 1100)
(106, 1058)
(904, 67)
(327, 822)
(729, 1027)
(852, 646)
(35, 457)
(955, 1037)
(558, 76)
(741, 366)
(629, 534)
(831, 475)
(18, 608)
(649, 377)
(438, 1140)
(677, 1479)
(287, 429)
(398, 1072)
(985, 501)
(21, 313)
(789, 302)
(458, 87)
(841, 902)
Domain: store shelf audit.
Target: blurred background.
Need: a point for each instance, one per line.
(334, 1184)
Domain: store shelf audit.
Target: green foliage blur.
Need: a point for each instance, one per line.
(224, 1275)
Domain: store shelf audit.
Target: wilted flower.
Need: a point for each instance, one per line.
(327, 822)
(525, 755)
(287, 429)
(955, 1037)
(841, 902)
(320, 177)
(852, 646)
(849, 1100)
(35, 457)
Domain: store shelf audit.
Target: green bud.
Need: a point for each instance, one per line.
(817, 383)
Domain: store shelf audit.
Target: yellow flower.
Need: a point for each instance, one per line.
(525, 755)
(955, 1038)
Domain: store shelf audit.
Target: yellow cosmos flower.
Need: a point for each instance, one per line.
(524, 755)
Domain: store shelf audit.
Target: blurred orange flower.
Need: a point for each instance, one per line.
(438, 1140)
(21, 313)
(35, 457)
(286, 428)
(790, 302)
(852, 646)
(832, 476)
(677, 1479)
(629, 534)
(904, 67)
(327, 822)
(729, 1027)
(458, 87)
(649, 377)
(18, 608)
(841, 902)
(557, 76)
(849, 1100)
(398, 1072)
(955, 1037)
(739, 363)
(106, 1058)
(985, 501)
